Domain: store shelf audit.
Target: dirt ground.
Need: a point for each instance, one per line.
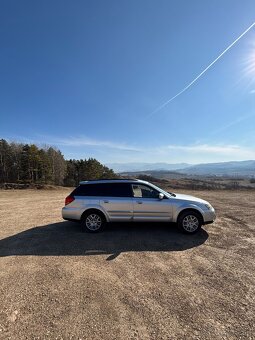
(129, 282)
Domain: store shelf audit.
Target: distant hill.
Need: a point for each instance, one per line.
(127, 167)
(235, 168)
(166, 170)
(156, 174)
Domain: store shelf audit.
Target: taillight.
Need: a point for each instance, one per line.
(69, 199)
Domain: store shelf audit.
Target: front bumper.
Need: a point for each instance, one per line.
(208, 222)
(209, 216)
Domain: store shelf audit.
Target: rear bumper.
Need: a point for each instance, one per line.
(71, 214)
(70, 219)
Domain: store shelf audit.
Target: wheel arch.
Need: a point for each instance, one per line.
(190, 210)
(94, 210)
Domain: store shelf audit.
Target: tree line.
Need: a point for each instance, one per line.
(28, 163)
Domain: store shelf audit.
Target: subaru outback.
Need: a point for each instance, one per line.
(94, 203)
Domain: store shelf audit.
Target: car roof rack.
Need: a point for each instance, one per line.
(109, 179)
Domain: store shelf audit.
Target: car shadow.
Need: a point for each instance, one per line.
(66, 238)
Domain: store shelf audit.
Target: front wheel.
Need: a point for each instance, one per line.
(189, 222)
(93, 222)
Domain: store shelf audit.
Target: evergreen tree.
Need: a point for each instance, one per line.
(5, 160)
(16, 151)
(44, 170)
(25, 167)
(57, 165)
(24, 163)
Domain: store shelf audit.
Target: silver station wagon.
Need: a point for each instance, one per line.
(94, 203)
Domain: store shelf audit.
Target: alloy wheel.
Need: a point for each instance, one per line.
(190, 223)
(93, 222)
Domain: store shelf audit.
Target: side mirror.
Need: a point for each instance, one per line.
(161, 196)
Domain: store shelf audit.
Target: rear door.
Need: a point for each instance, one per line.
(148, 206)
(117, 201)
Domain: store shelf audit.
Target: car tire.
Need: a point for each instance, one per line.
(189, 222)
(93, 222)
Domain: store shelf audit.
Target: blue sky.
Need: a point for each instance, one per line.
(86, 76)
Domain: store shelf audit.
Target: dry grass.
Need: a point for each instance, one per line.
(130, 282)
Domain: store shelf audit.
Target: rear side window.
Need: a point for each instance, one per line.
(78, 191)
(104, 189)
(117, 190)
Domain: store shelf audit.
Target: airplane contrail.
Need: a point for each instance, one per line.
(200, 74)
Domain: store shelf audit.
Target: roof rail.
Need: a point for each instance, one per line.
(111, 179)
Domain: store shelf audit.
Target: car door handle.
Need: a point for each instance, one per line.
(139, 202)
(106, 201)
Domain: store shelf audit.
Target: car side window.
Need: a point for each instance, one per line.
(144, 191)
(104, 190)
(117, 190)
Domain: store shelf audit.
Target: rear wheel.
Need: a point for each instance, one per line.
(93, 222)
(189, 222)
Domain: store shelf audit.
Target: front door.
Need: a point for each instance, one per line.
(148, 206)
